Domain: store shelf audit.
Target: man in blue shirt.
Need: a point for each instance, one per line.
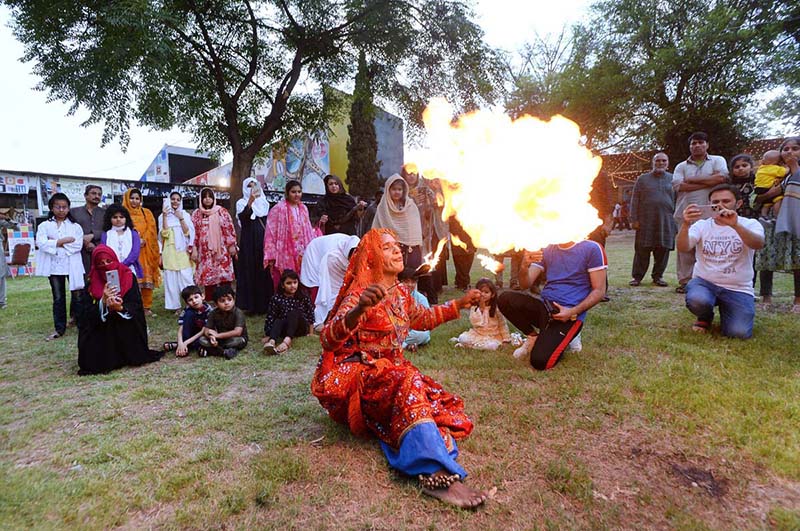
(576, 281)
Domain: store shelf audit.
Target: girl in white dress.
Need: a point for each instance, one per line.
(489, 329)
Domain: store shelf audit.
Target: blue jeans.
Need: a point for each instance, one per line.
(736, 309)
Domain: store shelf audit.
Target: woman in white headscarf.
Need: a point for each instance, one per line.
(324, 265)
(253, 281)
(397, 211)
(176, 235)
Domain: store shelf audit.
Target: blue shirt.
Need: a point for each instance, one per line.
(568, 280)
(192, 320)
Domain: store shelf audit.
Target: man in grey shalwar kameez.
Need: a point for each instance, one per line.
(652, 208)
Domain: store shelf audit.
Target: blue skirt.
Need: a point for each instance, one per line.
(423, 451)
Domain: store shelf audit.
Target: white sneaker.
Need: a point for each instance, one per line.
(525, 350)
(575, 345)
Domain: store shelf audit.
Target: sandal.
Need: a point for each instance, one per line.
(269, 349)
(54, 335)
(202, 352)
(169, 346)
(283, 347)
(701, 326)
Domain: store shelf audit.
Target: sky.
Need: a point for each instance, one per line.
(39, 136)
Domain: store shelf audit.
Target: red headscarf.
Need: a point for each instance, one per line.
(97, 275)
(366, 265)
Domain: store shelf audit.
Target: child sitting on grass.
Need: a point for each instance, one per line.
(191, 321)
(290, 314)
(489, 329)
(415, 338)
(225, 333)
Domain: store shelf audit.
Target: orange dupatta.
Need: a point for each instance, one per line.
(145, 225)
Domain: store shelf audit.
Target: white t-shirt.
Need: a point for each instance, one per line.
(722, 257)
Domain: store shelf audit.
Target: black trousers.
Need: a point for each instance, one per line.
(641, 261)
(766, 282)
(530, 315)
(294, 325)
(58, 286)
(462, 258)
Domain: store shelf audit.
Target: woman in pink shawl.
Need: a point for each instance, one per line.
(215, 243)
(288, 232)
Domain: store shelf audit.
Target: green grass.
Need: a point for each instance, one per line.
(207, 443)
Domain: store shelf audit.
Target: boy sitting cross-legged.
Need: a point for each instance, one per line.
(191, 321)
(225, 333)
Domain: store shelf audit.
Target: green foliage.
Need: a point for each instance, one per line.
(561, 76)
(644, 74)
(787, 56)
(362, 144)
(241, 74)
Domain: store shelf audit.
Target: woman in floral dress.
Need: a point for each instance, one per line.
(215, 244)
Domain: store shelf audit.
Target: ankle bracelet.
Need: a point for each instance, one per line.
(441, 481)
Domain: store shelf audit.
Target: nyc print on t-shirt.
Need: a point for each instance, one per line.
(723, 250)
(722, 257)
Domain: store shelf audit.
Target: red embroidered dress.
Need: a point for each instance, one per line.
(384, 396)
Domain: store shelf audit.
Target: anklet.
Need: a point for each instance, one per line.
(437, 482)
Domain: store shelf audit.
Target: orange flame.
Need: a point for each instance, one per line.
(490, 264)
(512, 184)
(431, 259)
(457, 241)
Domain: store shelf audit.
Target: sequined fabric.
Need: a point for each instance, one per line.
(362, 379)
(386, 395)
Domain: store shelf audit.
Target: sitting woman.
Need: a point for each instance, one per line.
(364, 381)
(112, 332)
(489, 329)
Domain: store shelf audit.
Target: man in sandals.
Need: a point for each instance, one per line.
(724, 245)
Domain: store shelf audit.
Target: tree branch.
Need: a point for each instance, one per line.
(228, 106)
(294, 23)
(253, 53)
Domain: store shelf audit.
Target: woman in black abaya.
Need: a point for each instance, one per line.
(337, 211)
(113, 331)
(253, 280)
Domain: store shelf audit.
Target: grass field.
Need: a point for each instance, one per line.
(651, 426)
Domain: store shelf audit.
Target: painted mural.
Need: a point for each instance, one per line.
(306, 160)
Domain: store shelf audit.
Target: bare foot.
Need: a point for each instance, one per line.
(524, 350)
(459, 495)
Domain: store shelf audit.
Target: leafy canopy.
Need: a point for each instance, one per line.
(240, 73)
(649, 73)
